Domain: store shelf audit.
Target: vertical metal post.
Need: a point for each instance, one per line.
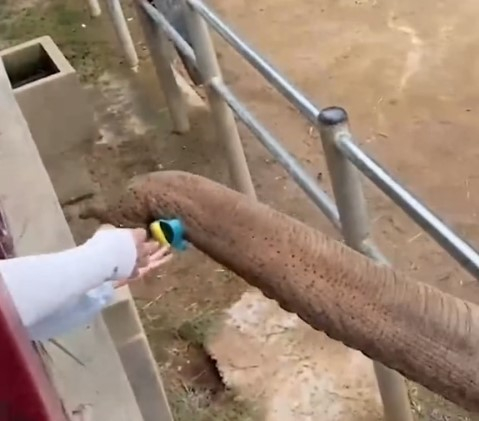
(159, 48)
(223, 117)
(94, 7)
(123, 33)
(333, 122)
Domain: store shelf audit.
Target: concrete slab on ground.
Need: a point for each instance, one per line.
(289, 370)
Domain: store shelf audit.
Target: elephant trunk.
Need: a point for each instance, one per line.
(427, 335)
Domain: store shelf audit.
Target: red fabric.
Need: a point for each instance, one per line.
(26, 393)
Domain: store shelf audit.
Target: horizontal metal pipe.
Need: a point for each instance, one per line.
(304, 180)
(168, 29)
(292, 94)
(459, 249)
(455, 246)
(293, 167)
(307, 183)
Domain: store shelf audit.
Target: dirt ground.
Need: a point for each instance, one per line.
(407, 79)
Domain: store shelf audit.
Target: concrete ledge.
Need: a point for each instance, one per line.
(127, 332)
(57, 111)
(38, 226)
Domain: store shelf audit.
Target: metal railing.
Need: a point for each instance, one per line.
(344, 158)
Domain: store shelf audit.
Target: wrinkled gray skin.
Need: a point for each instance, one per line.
(173, 12)
(429, 336)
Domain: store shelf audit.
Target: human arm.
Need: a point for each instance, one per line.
(81, 312)
(41, 285)
(73, 315)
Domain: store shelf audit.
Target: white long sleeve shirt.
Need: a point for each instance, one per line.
(58, 292)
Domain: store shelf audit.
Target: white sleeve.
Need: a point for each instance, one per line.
(73, 315)
(41, 285)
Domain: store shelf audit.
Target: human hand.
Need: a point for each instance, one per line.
(150, 255)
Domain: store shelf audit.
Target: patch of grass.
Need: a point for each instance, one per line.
(162, 329)
(193, 405)
(84, 41)
(427, 406)
(169, 339)
(197, 330)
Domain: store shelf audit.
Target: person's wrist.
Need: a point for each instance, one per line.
(117, 249)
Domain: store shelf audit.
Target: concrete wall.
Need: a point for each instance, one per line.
(38, 226)
(57, 111)
(121, 380)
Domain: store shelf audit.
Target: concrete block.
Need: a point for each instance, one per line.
(57, 111)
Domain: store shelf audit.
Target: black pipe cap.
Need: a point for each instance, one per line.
(332, 116)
